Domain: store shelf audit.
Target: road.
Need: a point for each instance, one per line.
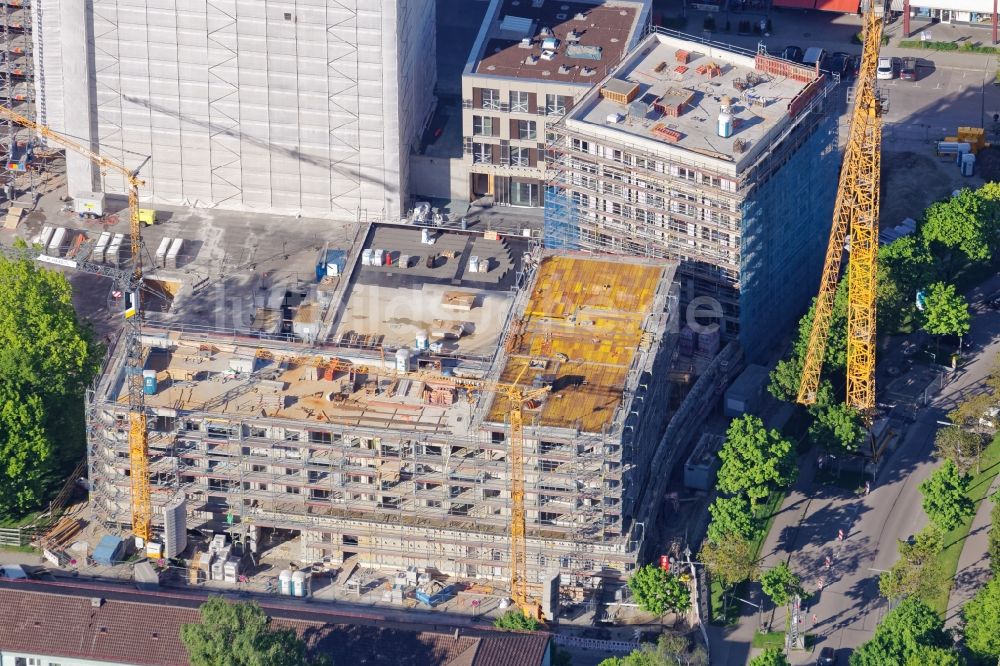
(845, 602)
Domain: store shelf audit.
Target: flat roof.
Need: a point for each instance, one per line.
(592, 37)
(694, 79)
(462, 278)
(581, 330)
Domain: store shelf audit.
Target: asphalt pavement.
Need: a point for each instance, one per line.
(845, 606)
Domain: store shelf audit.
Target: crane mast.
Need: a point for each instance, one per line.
(855, 216)
(129, 284)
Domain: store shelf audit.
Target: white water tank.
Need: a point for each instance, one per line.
(402, 360)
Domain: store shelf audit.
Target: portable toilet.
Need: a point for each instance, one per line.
(149, 382)
(285, 583)
(968, 164)
(402, 360)
(300, 584)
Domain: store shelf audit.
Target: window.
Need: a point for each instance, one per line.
(519, 101)
(519, 156)
(582, 146)
(555, 105)
(483, 125)
(526, 130)
(482, 153)
(491, 99)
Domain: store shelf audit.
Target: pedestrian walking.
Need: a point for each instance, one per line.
(819, 584)
(814, 618)
(868, 487)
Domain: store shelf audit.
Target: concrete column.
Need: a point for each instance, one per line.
(79, 107)
(906, 19)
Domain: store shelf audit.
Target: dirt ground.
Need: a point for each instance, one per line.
(912, 181)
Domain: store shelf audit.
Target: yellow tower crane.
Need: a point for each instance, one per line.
(855, 217)
(517, 396)
(130, 285)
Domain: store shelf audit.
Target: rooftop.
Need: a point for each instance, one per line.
(670, 92)
(144, 630)
(581, 330)
(589, 38)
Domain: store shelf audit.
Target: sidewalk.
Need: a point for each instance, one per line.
(973, 564)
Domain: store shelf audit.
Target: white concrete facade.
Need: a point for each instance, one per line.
(283, 106)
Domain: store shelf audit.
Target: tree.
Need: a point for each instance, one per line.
(993, 536)
(240, 634)
(47, 359)
(516, 620)
(731, 515)
(934, 656)
(770, 657)
(780, 584)
(657, 591)
(837, 427)
(958, 224)
(946, 312)
(903, 267)
(961, 447)
(731, 560)
(916, 572)
(903, 632)
(982, 621)
(946, 497)
(755, 460)
(670, 650)
(968, 411)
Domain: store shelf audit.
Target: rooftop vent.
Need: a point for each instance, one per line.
(579, 17)
(550, 43)
(587, 71)
(96, 602)
(531, 60)
(545, 31)
(548, 55)
(573, 36)
(537, 4)
(525, 43)
(565, 69)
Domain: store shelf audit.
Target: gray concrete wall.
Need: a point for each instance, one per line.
(439, 177)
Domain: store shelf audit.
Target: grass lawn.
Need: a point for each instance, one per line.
(955, 539)
(11, 523)
(765, 514)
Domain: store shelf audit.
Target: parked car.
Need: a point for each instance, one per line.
(908, 71)
(827, 657)
(813, 55)
(838, 64)
(793, 53)
(885, 70)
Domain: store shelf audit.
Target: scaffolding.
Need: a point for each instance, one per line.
(18, 84)
(382, 468)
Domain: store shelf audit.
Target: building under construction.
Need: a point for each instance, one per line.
(387, 440)
(17, 87)
(723, 159)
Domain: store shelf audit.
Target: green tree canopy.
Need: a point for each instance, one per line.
(961, 447)
(946, 497)
(917, 571)
(770, 657)
(903, 267)
(670, 650)
(982, 621)
(903, 632)
(47, 359)
(780, 584)
(926, 655)
(972, 408)
(657, 591)
(993, 536)
(516, 620)
(731, 515)
(731, 560)
(755, 460)
(240, 634)
(836, 426)
(946, 312)
(962, 223)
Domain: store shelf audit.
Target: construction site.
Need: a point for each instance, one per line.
(694, 151)
(388, 439)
